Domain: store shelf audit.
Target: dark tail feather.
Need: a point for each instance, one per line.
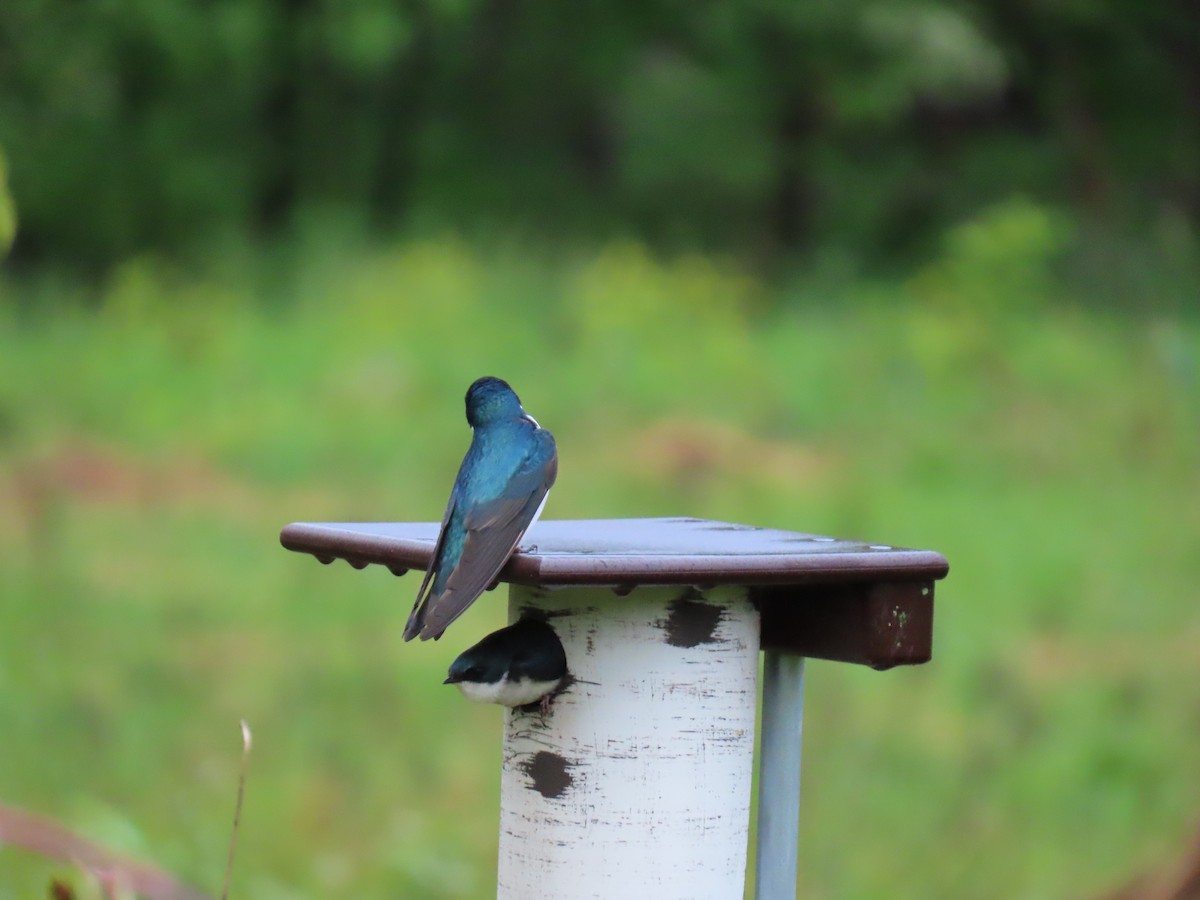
(416, 618)
(413, 627)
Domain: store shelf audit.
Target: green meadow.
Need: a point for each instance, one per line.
(159, 427)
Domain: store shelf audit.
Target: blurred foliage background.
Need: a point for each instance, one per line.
(921, 273)
(850, 133)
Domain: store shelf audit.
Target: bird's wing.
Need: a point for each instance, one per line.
(539, 654)
(416, 618)
(493, 530)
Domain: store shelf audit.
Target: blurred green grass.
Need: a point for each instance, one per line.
(155, 434)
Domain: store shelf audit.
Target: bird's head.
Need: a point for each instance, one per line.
(491, 399)
(477, 667)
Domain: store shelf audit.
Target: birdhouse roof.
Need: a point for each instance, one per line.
(841, 599)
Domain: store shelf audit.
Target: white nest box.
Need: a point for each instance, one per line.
(637, 784)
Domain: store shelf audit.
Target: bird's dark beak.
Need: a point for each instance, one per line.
(451, 679)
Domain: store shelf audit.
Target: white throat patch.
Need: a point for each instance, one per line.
(508, 693)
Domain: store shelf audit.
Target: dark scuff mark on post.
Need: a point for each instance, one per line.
(690, 621)
(542, 614)
(529, 611)
(548, 773)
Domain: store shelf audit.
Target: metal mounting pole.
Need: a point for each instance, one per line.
(779, 776)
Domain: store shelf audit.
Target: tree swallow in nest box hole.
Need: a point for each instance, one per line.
(515, 666)
(499, 492)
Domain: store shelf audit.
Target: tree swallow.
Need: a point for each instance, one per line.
(500, 490)
(515, 666)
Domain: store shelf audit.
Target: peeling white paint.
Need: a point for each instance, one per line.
(637, 784)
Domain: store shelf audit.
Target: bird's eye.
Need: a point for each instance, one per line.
(472, 674)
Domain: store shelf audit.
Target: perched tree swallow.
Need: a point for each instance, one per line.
(515, 666)
(500, 491)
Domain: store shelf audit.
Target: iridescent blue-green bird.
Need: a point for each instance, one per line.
(500, 490)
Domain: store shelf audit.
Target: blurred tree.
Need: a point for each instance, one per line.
(8, 210)
(766, 126)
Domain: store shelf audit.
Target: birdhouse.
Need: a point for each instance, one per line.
(638, 782)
